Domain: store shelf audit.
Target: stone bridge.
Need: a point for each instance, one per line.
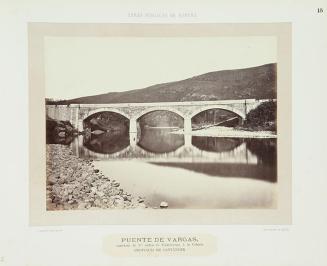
(77, 113)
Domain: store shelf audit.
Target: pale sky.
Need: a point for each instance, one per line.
(81, 66)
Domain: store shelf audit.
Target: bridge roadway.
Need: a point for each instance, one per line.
(77, 113)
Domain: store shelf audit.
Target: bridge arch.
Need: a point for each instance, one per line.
(105, 109)
(152, 109)
(222, 107)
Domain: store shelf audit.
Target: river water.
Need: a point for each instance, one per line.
(186, 171)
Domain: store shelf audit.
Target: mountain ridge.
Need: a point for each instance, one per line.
(258, 82)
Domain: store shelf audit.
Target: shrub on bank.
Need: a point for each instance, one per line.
(263, 117)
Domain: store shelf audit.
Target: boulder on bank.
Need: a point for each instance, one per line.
(164, 205)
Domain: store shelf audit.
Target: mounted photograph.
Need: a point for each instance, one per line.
(139, 119)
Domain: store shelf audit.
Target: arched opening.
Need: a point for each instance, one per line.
(215, 117)
(158, 131)
(214, 144)
(106, 121)
(106, 132)
(211, 121)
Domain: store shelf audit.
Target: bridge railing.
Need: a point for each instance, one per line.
(188, 103)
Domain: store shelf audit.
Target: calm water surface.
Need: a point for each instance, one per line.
(186, 171)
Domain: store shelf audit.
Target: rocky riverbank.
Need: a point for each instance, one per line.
(74, 183)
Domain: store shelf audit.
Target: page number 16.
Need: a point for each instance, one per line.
(320, 10)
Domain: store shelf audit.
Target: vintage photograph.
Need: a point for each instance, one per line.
(161, 122)
(163, 132)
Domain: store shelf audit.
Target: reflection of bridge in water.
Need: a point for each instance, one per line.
(186, 153)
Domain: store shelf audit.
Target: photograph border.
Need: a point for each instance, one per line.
(39, 216)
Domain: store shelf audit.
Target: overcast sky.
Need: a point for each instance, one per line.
(81, 66)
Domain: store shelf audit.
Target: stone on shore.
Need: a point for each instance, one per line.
(62, 134)
(164, 205)
(73, 183)
(51, 180)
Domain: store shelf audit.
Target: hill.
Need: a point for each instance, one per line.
(255, 82)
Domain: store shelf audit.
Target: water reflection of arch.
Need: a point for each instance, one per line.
(158, 152)
(239, 154)
(107, 143)
(222, 107)
(216, 144)
(95, 155)
(157, 142)
(142, 153)
(105, 109)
